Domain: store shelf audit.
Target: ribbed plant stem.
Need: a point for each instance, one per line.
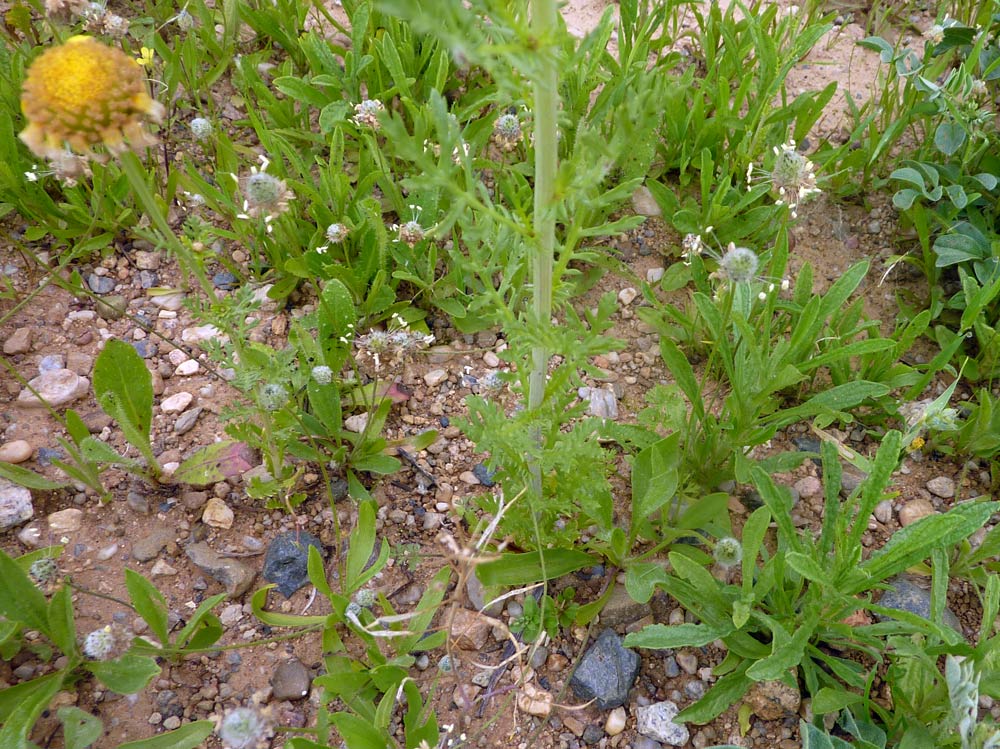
(544, 16)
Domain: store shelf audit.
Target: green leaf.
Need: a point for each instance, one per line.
(654, 477)
(62, 630)
(125, 675)
(949, 137)
(188, 736)
(532, 566)
(22, 704)
(641, 579)
(663, 636)
(203, 625)
(149, 603)
(358, 733)
(727, 691)
(360, 549)
(915, 542)
(20, 600)
(28, 478)
(124, 389)
(829, 700)
(80, 729)
(808, 567)
(274, 619)
(213, 463)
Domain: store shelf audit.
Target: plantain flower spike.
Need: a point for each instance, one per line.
(83, 94)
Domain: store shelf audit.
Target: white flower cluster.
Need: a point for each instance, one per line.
(793, 176)
(392, 345)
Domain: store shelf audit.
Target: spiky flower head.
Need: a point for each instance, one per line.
(728, 552)
(411, 232)
(83, 94)
(99, 644)
(365, 597)
(184, 20)
(273, 396)
(322, 374)
(738, 264)
(366, 113)
(793, 176)
(507, 132)
(245, 728)
(43, 571)
(336, 233)
(201, 128)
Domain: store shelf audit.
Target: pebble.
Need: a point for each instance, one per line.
(66, 521)
(490, 359)
(18, 342)
(592, 734)
(147, 260)
(172, 723)
(688, 662)
(236, 576)
(484, 475)
(656, 721)
(51, 363)
(149, 545)
(773, 700)
(287, 558)
(655, 275)
(15, 506)
(162, 569)
(29, 535)
(176, 402)
(906, 595)
(874, 227)
(100, 284)
(809, 487)
(670, 667)
(199, 333)
(146, 349)
(137, 502)
(290, 681)
(942, 486)
(57, 388)
(470, 630)
(627, 295)
(695, 689)
(468, 477)
(187, 368)
(107, 552)
(186, 421)
(914, 510)
(218, 514)
(111, 307)
(644, 203)
(883, 511)
(435, 377)
(16, 451)
(602, 403)
(615, 722)
(606, 672)
(356, 423)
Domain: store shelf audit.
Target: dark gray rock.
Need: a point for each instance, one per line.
(150, 544)
(186, 421)
(592, 734)
(906, 595)
(290, 681)
(145, 348)
(224, 280)
(148, 279)
(286, 558)
(484, 474)
(234, 574)
(606, 672)
(621, 610)
(45, 455)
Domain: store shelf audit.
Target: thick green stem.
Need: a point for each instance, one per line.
(544, 19)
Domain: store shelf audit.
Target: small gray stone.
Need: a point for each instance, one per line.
(644, 742)
(601, 403)
(874, 227)
(850, 480)
(234, 574)
(19, 342)
(145, 348)
(942, 486)
(883, 511)
(905, 595)
(66, 521)
(137, 502)
(773, 700)
(606, 672)
(51, 362)
(148, 279)
(695, 690)
(290, 681)
(15, 505)
(286, 559)
(670, 667)
(657, 722)
(186, 421)
(484, 474)
(592, 734)
(149, 545)
(688, 662)
(621, 609)
(100, 284)
(111, 307)
(435, 377)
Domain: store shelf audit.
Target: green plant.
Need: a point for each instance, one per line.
(32, 597)
(793, 603)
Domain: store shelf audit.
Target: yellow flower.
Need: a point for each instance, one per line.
(146, 57)
(84, 94)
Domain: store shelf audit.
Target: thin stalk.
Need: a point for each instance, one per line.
(544, 16)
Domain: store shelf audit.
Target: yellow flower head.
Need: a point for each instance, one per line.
(84, 94)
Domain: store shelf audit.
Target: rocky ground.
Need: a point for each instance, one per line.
(194, 543)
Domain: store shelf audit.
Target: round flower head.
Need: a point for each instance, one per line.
(366, 113)
(739, 264)
(99, 644)
(336, 233)
(184, 20)
(244, 728)
(201, 128)
(83, 94)
(265, 195)
(366, 597)
(322, 374)
(507, 132)
(273, 396)
(411, 232)
(43, 571)
(728, 552)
